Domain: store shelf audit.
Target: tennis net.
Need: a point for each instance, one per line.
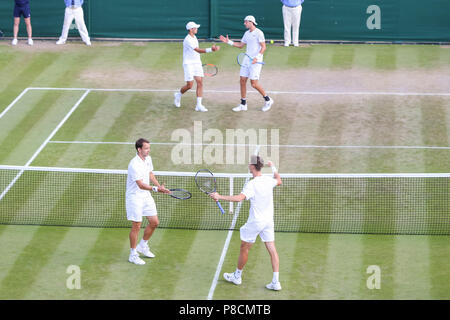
(323, 203)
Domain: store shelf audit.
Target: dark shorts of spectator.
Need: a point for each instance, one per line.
(22, 11)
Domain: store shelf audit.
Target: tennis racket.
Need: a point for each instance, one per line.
(180, 194)
(210, 70)
(245, 59)
(206, 182)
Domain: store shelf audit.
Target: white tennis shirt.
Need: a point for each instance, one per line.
(252, 40)
(259, 191)
(190, 56)
(138, 169)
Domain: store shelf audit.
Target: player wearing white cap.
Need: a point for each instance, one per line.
(256, 45)
(192, 66)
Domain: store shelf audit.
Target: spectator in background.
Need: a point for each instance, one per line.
(22, 8)
(292, 11)
(74, 10)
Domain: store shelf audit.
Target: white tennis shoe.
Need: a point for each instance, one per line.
(60, 42)
(177, 100)
(267, 105)
(145, 250)
(230, 277)
(134, 258)
(240, 107)
(14, 42)
(30, 42)
(200, 108)
(274, 286)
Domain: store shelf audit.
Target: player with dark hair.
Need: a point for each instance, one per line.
(139, 202)
(260, 222)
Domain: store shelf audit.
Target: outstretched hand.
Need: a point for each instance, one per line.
(223, 39)
(215, 48)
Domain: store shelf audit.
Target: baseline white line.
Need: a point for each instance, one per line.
(44, 144)
(254, 91)
(261, 145)
(227, 243)
(14, 102)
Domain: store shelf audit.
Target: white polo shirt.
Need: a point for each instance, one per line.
(252, 40)
(138, 169)
(190, 56)
(259, 191)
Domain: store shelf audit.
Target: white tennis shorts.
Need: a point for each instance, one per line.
(265, 230)
(140, 207)
(192, 70)
(251, 71)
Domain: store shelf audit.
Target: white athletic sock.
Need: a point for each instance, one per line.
(276, 276)
(133, 251)
(238, 273)
(143, 242)
(199, 101)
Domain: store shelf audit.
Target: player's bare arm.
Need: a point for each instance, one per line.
(213, 48)
(231, 43)
(236, 198)
(276, 175)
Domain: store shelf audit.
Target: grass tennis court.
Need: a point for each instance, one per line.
(338, 109)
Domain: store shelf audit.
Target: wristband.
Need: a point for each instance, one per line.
(274, 169)
(230, 42)
(155, 189)
(208, 50)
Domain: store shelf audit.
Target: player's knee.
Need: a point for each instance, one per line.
(154, 223)
(254, 84)
(136, 227)
(189, 85)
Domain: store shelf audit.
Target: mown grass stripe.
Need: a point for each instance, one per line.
(386, 58)
(343, 57)
(24, 76)
(411, 273)
(95, 113)
(28, 125)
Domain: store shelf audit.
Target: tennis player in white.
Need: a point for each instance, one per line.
(256, 45)
(139, 202)
(260, 221)
(192, 65)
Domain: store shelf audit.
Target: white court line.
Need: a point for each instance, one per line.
(14, 102)
(254, 91)
(227, 242)
(306, 146)
(44, 144)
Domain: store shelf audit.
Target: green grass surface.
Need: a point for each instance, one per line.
(313, 266)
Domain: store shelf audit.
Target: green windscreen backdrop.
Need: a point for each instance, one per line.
(348, 20)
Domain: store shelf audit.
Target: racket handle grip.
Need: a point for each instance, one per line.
(220, 207)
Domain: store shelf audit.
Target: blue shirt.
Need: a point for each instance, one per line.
(292, 3)
(77, 3)
(22, 3)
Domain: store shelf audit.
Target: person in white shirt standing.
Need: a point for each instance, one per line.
(260, 222)
(292, 12)
(139, 202)
(74, 10)
(192, 66)
(256, 45)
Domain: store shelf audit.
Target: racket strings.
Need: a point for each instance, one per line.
(180, 194)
